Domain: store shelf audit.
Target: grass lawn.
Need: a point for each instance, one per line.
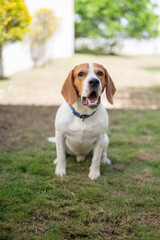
(124, 203)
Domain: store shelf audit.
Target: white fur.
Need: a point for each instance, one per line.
(91, 74)
(80, 138)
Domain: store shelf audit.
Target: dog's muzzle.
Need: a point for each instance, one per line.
(93, 99)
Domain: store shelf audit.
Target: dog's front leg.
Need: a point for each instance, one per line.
(60, 161)
(95, 165)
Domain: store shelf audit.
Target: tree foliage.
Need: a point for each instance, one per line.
(116, 18)
(14, 20)
(43, 25)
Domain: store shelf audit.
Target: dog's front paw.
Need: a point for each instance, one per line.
(94, 174)
(60, 171)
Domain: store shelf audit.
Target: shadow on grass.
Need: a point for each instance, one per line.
(22, 126)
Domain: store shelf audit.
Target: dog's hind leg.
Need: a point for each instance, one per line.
(104, 158)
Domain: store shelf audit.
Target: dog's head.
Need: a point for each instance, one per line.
(88, 81)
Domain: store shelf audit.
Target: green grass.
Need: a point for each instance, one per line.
(124, 203)
(153, 68)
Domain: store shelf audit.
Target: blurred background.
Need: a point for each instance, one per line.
(40, 41)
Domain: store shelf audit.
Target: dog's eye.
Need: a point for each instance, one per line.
(81, 74)
(100, 73)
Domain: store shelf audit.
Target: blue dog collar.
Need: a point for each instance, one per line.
(81, 116)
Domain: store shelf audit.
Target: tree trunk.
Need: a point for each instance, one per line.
(1, 64)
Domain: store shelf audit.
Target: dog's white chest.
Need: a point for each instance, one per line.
(82, 135)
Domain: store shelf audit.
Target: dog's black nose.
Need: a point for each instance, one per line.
(94, 82)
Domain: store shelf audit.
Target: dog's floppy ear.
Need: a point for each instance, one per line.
(110, 87)
(68, 90)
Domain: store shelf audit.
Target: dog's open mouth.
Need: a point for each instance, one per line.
(92, 100)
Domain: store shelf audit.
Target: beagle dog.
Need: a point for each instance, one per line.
(82, 121)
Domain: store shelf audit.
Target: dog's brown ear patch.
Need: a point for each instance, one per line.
(68, 90)
(110, 87)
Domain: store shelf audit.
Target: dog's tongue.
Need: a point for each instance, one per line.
(92, 99)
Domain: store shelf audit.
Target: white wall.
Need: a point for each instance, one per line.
(141, 47)
(17, 56)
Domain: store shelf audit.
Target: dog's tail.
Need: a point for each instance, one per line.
(51, 139)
